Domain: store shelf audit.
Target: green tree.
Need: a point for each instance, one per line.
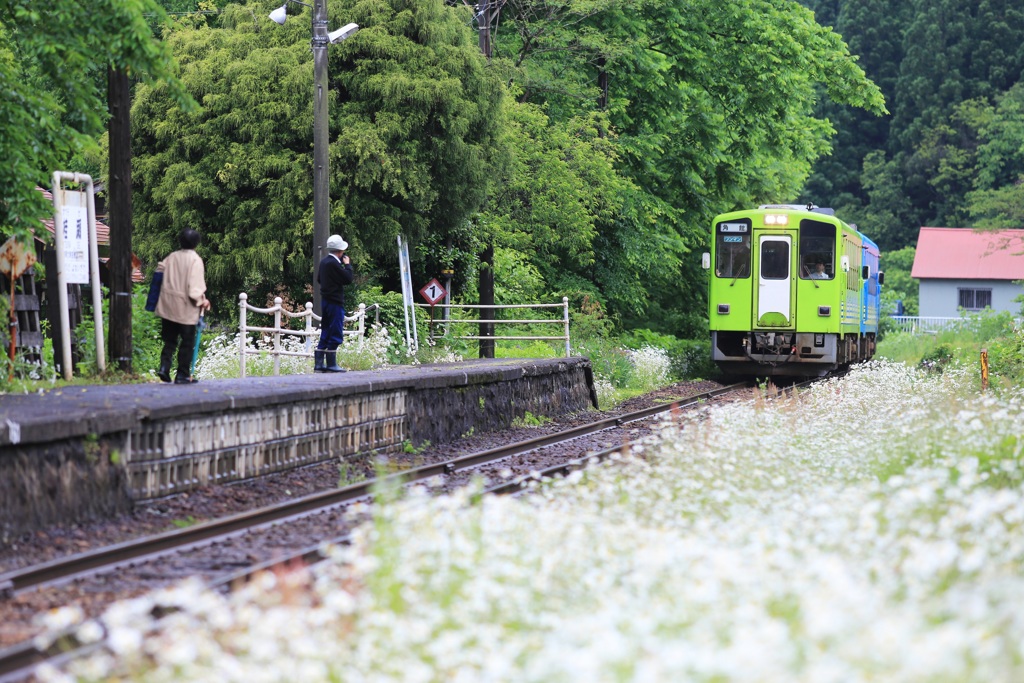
(955, 50)
(873, 29)
(414, 113)
(53, 62)
(711, 106)
(899, 285)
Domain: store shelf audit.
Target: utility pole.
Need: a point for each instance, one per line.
(321, 172)
(488, 12)
(119, 217)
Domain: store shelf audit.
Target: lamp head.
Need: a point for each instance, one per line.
(346, 31)
(280, 14)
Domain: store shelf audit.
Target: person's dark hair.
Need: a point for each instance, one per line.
(189, 238)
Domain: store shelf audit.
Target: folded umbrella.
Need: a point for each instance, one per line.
(195, 352)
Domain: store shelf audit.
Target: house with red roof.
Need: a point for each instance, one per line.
(961, 268)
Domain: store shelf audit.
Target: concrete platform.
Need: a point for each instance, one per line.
(92, 451)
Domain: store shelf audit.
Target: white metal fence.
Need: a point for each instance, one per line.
(280, 312)
(563, 322)
(916, 324)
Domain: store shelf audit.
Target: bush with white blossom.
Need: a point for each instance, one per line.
(651, 368)
(867, 529)
(221, 357)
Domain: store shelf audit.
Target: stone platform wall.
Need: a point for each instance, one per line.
(91, 452)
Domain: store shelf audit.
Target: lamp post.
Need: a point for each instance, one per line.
(321, 176)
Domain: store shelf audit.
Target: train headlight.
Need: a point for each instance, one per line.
(824, 311)
(776, 219)
(723, 309)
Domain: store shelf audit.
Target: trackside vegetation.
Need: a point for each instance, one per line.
(868, 528)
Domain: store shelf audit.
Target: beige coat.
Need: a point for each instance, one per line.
(183, 291)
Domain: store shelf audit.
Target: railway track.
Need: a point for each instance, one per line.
(16, 663)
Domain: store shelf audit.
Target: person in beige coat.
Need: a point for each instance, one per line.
(182, 299)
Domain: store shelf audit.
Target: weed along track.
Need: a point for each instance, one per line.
(228, 542)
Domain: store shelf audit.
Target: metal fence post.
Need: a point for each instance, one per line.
(565, 308)
(309, 327)
(242, 333)
(277, 336)
(362, 324)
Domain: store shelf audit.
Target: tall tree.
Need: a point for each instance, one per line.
(53, 60)
(414, 113)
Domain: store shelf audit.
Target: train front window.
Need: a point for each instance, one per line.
(817, 250)
(774, 260)
(732, 249)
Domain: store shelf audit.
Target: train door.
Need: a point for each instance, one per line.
(774, 281)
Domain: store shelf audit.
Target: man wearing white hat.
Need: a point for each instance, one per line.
(333, 274)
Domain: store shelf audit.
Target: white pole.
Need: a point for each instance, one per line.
(277, 336)
(62, 288)
(362, 324)
(242, 334)
(565, 304)
(309, 327)
(94, 270)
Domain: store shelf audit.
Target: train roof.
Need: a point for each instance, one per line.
(800, 207)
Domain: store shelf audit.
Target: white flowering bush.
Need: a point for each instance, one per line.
(221, 358)
(868, 529)
(606, 394)
(651, 368)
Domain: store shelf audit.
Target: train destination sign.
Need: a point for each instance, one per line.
(732, 227)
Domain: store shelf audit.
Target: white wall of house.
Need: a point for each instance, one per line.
(941, 298)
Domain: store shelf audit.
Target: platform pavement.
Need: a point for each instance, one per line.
(78, 450)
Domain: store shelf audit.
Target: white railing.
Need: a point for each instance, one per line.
(916, 324)
(277, 310)
(563, 322)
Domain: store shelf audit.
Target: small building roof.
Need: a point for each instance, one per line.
(966, 254)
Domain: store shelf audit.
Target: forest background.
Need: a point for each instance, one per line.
(588, 154)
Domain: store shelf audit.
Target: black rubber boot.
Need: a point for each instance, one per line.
(319, 361)
(164, 373)
(332, 359)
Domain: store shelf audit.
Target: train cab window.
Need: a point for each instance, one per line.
(817, 250)
(732, 249)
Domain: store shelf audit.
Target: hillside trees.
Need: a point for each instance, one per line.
(53, 61)
(951, 52)
(710, 107)
(413, 114)
(626, 126)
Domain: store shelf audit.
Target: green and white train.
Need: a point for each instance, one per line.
(794, 291)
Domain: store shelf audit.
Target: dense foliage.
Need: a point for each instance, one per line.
(950, 153)
(591, 150)
(53, 63)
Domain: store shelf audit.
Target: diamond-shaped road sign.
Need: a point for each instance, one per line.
(433, 292)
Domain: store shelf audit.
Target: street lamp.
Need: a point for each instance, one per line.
(321, 177)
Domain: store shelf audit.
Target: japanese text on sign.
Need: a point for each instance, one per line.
(74, 219)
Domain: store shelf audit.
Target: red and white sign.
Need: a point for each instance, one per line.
(433, 292)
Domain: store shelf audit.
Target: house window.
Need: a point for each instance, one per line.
(974, 299)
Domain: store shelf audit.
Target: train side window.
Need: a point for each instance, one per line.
(817, 250)
(732, 249)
